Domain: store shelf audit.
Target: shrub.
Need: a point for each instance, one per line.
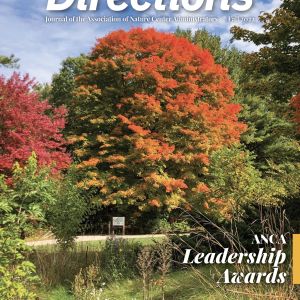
(181, 226)
(31, 191)
(118, 258)
(42, 198)
(17, 275)
(87, 284)
(164, 226)
(66, 213)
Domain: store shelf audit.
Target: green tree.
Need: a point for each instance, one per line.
(235, 184)
(9, 61)
(26, 200)
(270, 135)
(63, 83)
(44, 90)
(66, 214)
(63, 86)
(275, 68)
(273, 78)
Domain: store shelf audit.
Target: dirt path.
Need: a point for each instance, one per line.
(86, 238)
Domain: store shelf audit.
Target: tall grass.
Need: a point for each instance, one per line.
(271, 222)
(115, 257)
(61, 267)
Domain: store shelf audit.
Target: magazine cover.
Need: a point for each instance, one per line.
(149, 149)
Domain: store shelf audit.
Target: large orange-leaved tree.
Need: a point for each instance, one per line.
(150, 108)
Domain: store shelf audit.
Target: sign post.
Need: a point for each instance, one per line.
(118, 222)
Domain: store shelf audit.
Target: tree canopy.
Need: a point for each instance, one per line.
(150, 108)
(28, 124)
(277, 63)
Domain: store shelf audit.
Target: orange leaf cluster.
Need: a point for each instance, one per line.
(202, 188)
(154, 149)
(170, 184)
(154, 202)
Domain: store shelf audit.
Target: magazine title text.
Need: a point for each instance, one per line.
(159, 5)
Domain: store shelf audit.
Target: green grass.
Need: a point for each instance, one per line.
(180, 285)
(94, 245)
(58, 293)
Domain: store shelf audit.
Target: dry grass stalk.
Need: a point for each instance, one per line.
(145, 264)
(164, 256)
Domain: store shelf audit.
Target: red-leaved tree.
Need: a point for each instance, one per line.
(151, 107)
(29, 125)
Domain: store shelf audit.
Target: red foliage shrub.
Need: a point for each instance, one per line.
(28, 124)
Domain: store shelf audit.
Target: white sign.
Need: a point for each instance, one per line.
(118, 221)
